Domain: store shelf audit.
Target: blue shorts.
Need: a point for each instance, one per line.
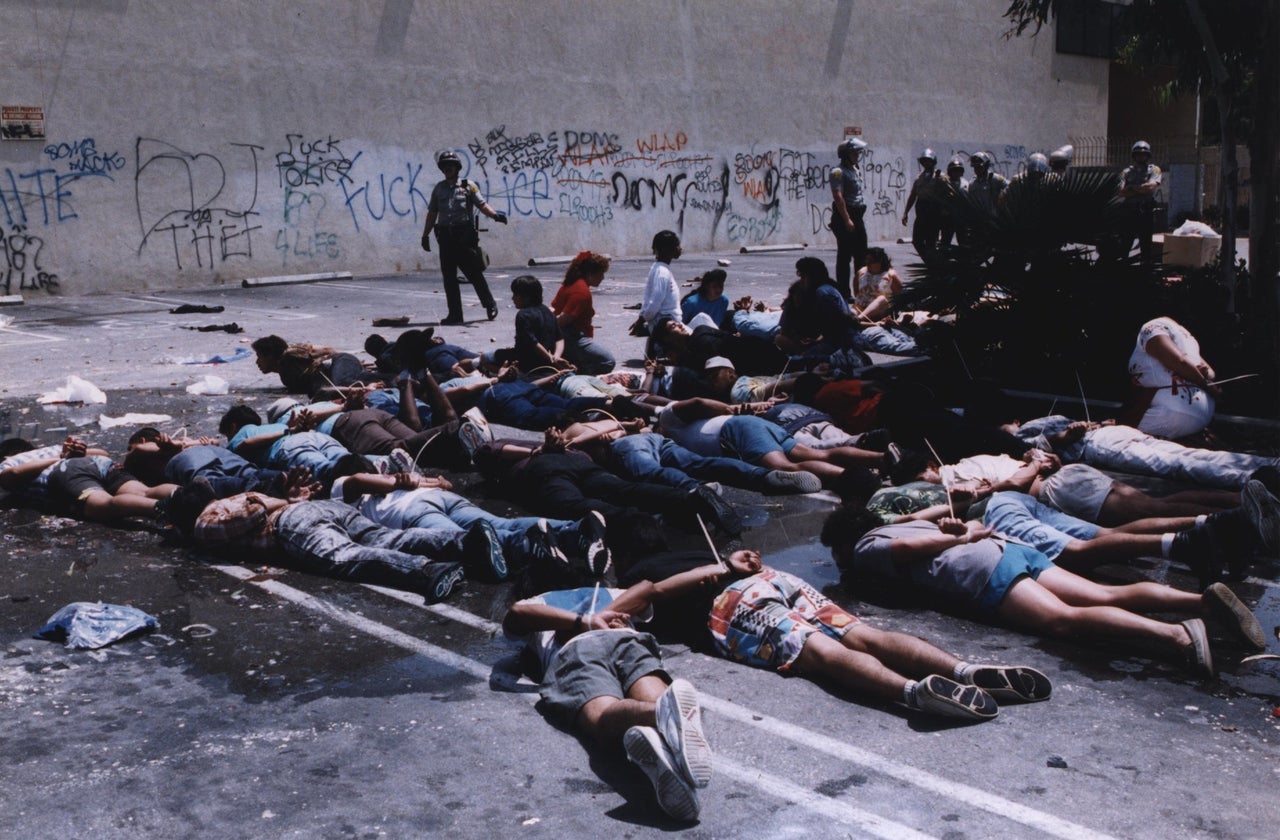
(1046, 529)
(1017, 562)
(750, 438)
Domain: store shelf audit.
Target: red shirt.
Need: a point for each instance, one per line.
(574, 300)
(853, 411)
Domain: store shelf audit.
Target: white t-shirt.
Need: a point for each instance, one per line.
(700, 436)
(398, 509)
(661, 295)
(1178, 408)
(992, 468)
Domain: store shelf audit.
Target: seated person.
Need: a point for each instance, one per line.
(874, 287)
(1172, 393)
(538, 341)
(816, 318)
(574, 311)
(332, 538)
(968, 565)
(306, 368)
(414, 501)
(707, 300)
(549, 480)
(603, 678)
(766, 618)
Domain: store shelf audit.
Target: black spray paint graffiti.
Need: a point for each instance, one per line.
(21, 268)
(883, 184)
(180, 201)
(312, 163)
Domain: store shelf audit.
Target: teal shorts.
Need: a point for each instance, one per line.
(1017, 562)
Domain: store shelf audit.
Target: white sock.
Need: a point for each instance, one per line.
(1202, 518)
(1166, 543)
(909, 694)
(961, 673)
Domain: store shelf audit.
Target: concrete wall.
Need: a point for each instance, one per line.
(197, 143)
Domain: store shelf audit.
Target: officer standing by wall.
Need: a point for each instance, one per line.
(960, 184)
(1138, 184)
(924, 233)
(848, 208)
(986, 186)
(449, 213)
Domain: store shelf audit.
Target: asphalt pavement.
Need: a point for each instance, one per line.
(276, 704)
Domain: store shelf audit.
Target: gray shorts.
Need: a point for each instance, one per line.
(602, 663)
(1078, 490)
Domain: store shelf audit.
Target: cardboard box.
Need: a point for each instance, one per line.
(1193, 251)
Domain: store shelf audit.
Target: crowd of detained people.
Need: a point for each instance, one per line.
(1004, 520)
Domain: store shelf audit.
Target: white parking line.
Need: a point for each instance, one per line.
(973, 797)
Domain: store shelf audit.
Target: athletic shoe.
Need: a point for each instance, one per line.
(591, 544)
(441, 580)
(676, 797)
(1270, 478)
(680, 725)
(482, 553)
(717, 509)
(400, 461)
(938, 695)
(1197, 549)
(782, 481)
(1226, 609)
(1011, 683)
(543, 551)
(491, 311)
(473, 432)
(1263, 511)
(1198, 655)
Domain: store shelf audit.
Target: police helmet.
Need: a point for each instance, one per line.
(1142, 147)
(1060, 157)
(1037, 164)
(852, 145)
(955, 166)
(928, 155)
(446, 159)
(980, 160)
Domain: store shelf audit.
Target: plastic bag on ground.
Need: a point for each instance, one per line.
(1193, 228)
(85, 625)
(210, 385)
(132, 419)
(76, 390)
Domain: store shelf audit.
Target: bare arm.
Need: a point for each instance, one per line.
(1164, 351)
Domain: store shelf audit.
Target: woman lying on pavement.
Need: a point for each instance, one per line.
(967, 564)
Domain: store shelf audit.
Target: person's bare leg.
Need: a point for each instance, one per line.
(606, 719)
(101, 506)
(1145, 595)
(861, 672)
(137, 488)
(843, 456)
(1156, 525)
(1125, 504)
(778, 461)
(904, 653)
(1087, 554)
(1033, 607)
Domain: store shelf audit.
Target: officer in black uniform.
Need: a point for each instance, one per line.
(924, 233)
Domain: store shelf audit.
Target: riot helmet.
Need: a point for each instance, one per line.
(1060, 158)
(1142, 147)
(955, 166)
(927, 159)
(447, 159)
(1037, 164)
(851, 146)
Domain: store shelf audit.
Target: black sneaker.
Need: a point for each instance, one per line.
(543, 551)
(482, 553)
(1197, 549)
(492, 311)
(1270, 478)
(442, 578)
(452, 321)
(708, 502)
(1263, 511)
(591, 544)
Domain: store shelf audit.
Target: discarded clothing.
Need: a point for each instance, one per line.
(194, 308)
(85, 625)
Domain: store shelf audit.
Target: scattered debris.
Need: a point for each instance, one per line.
(209, 385)
(232, 328)
(199, 631)
(722, 262)
(1056, 761)
(87, 625)
(132, 419)
(76, 390)
(402, 321)
(195, 308)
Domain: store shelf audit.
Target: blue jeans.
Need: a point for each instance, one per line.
(333, 539)
(226, 471)
(762, 325)
(1126, 449)
(880, 340)
(1045, 529)
(318, 452)
(588, 356)
(650, 457)
(445, 511)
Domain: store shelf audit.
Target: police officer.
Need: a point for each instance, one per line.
(958, 183)
(1060, 159)
(986, 186)
(1138, 184)
(848, 208)
(449, 213)
(924, 233)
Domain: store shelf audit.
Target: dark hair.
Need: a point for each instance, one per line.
(633, 535)
(814, 269)
(146, 434)
(528, 287)
(665, 240)
(375, 344)
(844, 527)
(881, 256)
(410, 347)
(13, 446)
(715, 275)
(236, 418)
(587, 262)
(807, 387)
(350, 464)
(855, 486)
(909, 467)
(270, 345)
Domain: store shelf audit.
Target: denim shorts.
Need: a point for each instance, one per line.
(1046, 529)
(751, 438)
(1017, 562)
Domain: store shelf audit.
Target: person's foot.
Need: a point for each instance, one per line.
(1222, 605)
(591, 544)
(482, 553)
(938, 695)
(1270, 478)
(543, 551)
(708, 502)
(680, 725)
(1197, 549)
(783, 481)
(452, 321)
(491, 310)
(400, 461)
(676, 797)
(1011, 683)
(442, 578)
(185, 505)
(1263, 512)
(1198, 656)
(473, 432)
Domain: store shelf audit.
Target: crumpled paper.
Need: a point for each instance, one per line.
(210, 385)
(76, 390)
(132, 418)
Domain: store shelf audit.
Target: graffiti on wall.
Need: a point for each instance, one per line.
(23, 262)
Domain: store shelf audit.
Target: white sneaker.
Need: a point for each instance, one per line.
(680, 725)
(676, 797)
(474, 432)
